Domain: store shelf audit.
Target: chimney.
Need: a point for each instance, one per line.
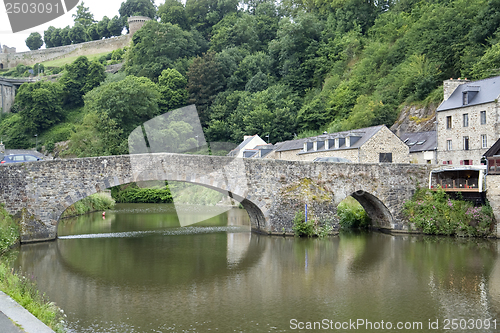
(450, 85)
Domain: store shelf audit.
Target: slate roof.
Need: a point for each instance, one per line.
(420, 141)
(479, 92)
(235, 151)
(364, 133)
(494, 150)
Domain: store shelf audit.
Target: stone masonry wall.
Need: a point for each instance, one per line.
(271, 191)
(11, 60)
(493, 196)
(384, 141)
(474, 131)
(7, 96)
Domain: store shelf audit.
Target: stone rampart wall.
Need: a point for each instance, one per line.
(493, 196)
(30, 58)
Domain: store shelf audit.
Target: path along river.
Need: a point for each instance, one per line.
(138, 271)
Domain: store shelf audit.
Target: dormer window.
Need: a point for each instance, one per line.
(465, 100)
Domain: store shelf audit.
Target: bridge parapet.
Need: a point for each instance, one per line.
(272, 191)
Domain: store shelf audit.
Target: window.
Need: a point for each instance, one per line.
(484, 141)
(448, 122)
(464, 98)
(483, 117)
(466, 119)
(449, 145)
(466, 143)
(385, 158)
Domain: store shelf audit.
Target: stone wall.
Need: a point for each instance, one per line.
(271, 191)
(30, 58)
(7, 96)
(493, 196)
(384, 141)
(457, 132)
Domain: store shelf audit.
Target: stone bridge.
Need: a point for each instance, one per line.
(271, 191)
(8, 89)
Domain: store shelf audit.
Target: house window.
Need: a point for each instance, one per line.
(484, 141)
(449, 145)
(448, 122)
(385, 158)
(483, 117)
(466, 119)
(464, 98)
(466, 143)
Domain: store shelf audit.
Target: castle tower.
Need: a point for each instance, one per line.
(135, 23)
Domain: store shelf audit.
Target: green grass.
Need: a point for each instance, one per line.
(92, 203)
(22, 289)
(68, 60)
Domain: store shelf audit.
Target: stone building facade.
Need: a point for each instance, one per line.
(467, 120)
(366, 145)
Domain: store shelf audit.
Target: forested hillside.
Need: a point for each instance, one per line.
(258, 67)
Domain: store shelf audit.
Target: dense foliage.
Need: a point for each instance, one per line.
(92, 203)
(352, 215)
(280, 69)
(434, 212)
(131, 193)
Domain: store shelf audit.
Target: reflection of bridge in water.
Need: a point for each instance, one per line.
(276, 279)
(271, 191)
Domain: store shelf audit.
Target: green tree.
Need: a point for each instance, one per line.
(40, 105)
(34, 41)
(83, 16)
(129, 102)
(96, 74)
(203, 14)
(137, 8)
(65, 35)
(172, 86)
(47, 37)
(93, 32)
(97, 135)
(157, 46)
(73, 80)
(78, 34)
(205, 81)
(173, 11)
(115, 26)
(102, 27)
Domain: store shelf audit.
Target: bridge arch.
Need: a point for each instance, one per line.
(375, 209)
(257, 219)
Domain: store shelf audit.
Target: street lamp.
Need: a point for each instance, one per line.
(36, 142)
(197, 144)
(267, 136)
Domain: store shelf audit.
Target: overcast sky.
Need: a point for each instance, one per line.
(99, 8)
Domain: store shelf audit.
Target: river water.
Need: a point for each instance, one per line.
(137, 270)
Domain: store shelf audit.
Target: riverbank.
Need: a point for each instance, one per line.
(21, 289)
(93, 203)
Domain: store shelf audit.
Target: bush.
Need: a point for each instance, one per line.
(133, 194)
(9, 230)
(434, 212)
(92, 203)
(301, 227)
(352, 215)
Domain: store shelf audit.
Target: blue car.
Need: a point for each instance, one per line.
(16, 158)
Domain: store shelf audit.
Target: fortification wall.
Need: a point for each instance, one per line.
(11, 60)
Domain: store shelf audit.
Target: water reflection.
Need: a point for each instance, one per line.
(225, 280)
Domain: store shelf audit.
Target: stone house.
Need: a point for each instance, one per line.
(365, 145)
(246, 148)
(467, 120)
(423, 147)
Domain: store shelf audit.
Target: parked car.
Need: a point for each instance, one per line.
(16, 158)
(332, 159)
